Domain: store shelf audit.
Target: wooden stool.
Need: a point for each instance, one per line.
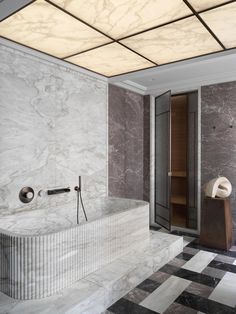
(216, 224)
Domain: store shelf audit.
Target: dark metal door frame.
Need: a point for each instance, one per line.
(168, 170)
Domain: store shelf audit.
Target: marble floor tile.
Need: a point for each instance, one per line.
(136, 295)
(169, 269)
(124, 306)
(165, 295)
(177, 262)
(213, 272)
(225, 292)
(148, 285)
(159, 276)
(199, 289)
(197, 277)
(199, 261)
(195, 244)
(203, 305)
(190, 250)
(184, 256)
(177, 308)
(223, 266)
(225, 259)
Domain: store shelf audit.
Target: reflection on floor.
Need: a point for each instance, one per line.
(199, 280)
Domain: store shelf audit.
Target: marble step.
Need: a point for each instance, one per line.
(100, 289)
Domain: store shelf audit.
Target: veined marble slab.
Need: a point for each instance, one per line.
(97, 291)
(199, 261)
(53, 128)
(50, 258)
(164, 296)
(225, 291)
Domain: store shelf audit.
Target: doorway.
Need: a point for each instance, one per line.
(176, 160)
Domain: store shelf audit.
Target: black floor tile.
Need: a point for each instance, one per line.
(185, 256)
(149, 285)
(196, 245)
(169, 269)
(204, 305)
(182, 233)
(124, 306)
(197, 277)
(223, 266)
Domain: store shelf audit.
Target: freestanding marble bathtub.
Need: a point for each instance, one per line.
(44, 251)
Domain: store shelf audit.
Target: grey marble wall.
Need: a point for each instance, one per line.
(128, 144)
(219, 143)
(53, 128)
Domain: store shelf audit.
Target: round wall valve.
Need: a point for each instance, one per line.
(26, 194)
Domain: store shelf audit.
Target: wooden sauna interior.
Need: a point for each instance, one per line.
(179, 141)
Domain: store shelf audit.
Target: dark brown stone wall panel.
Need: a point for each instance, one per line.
(218, 147)
(128, 126)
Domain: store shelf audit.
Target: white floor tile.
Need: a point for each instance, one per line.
(200, 261)
(164, 296)
(225, 291)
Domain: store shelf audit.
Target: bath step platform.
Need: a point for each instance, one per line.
(100, 289)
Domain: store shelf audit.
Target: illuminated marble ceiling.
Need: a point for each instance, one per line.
(113, 37)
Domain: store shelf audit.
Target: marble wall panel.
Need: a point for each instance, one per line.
(128, 144)
(218, 148)
(53, 128)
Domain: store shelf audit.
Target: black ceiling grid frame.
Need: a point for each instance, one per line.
(26, 5)
(179, 19)
(204, 24)
(216, 6)
(48, 54)
(94, 28)
(117, 40)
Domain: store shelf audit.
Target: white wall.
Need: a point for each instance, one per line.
(53, 127)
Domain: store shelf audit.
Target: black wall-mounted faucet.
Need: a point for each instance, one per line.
(58, 191)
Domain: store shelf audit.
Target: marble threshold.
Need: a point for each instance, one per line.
(100, 289)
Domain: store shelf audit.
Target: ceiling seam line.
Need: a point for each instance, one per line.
(78, 53)
(216, 6)
(21, 8)
(204, 24)
(155, 27)
(94, 28)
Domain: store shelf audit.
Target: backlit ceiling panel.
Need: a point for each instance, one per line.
(113, 37)
(120, 18)
(200, 5)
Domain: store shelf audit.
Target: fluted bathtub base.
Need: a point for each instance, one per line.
(100, 289)
(34, 267)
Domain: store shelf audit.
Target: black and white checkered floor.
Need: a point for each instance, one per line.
(199, 280)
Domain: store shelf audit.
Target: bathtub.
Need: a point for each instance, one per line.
(44, 251)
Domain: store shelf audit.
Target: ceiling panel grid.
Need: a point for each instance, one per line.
(113, 37)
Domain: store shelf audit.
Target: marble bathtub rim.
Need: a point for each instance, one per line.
(12, 234)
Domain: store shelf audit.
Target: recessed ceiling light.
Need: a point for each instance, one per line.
(43, 27)
(120, 18)
(111, 59)
(173, 42)
(222, 21)
(200, 5)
